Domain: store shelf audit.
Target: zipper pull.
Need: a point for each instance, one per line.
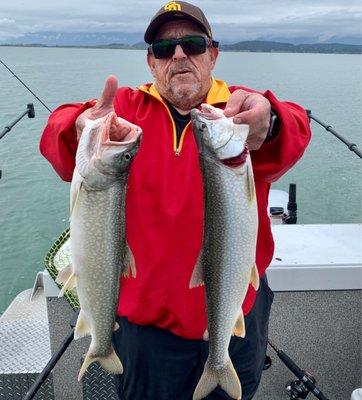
(177, 153)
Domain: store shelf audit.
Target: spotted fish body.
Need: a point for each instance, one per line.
(97, 234)
(227, 262)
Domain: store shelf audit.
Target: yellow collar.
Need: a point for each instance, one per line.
(218, 93)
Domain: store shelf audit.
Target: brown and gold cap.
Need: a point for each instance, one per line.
(174, 10)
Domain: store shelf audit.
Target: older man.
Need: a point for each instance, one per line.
(161, 320)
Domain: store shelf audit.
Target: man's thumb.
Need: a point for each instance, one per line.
(109, 91)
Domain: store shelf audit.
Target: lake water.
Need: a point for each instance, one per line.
(34, 201)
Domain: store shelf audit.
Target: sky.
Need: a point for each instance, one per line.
(231, 20)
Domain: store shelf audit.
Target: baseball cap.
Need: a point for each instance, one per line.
(174, 10)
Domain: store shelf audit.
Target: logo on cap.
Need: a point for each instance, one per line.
(172, 6)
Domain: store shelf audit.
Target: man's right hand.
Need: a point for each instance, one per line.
(102, 108)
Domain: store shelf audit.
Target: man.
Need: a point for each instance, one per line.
(161, 320)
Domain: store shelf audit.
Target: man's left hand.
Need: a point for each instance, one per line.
(252, 109)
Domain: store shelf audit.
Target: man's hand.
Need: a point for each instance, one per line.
(252, 109)
(102, 108)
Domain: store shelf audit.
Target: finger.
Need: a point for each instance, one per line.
(246, 117)
(235, 102)
(255, 142)
(109, 91)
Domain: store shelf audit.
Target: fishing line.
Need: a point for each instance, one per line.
(304, 378)
(27, 87)
(16, 143)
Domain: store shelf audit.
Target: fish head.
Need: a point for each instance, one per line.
(217, 135)
(106, 150)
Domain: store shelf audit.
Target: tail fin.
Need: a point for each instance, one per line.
(224, 376)
(110, 363)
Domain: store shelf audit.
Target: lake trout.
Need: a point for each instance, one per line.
(99, 251)
(226, 263)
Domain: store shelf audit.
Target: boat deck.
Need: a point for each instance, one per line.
(316, 275)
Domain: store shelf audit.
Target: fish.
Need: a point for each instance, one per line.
(226, 264)
(99, 250)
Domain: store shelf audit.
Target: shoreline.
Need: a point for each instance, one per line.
(222, 49)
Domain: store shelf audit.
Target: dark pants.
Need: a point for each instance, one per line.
(159, 365)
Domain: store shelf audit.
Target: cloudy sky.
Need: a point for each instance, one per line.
(231, 20)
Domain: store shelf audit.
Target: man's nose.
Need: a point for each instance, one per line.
(179, 53)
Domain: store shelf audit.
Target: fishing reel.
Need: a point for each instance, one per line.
(296, 389)
(299, 388)
(29, 112)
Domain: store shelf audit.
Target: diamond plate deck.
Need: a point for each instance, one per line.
(15, 387)
(99, 385)
(24, 347)
(22, 308)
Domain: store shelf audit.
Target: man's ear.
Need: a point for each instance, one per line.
(151, 63)
(214, 53)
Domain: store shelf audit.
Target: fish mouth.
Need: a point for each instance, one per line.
(118, 132)
(207, 112)
(219, 133)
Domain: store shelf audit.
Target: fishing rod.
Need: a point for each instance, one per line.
(352, 146)
(27, 87)
(30, 107)
(29, 111)
(306, 383)
(297, 389)
(31, 114)
(41, 378)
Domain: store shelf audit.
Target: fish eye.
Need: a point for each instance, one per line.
(127, 156)
(203, 126)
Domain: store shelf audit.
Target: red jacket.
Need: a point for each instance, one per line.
(164, 203)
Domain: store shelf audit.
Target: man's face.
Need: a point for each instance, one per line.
(183, 80)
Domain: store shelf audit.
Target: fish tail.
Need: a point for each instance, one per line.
(224, 376)
(110, 363)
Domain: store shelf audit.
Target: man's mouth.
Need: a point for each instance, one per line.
(182, 72)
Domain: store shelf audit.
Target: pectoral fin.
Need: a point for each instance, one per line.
(64, 275)
(239, 328)
(250, 178)
(197, 277)
(70, 284)
(82, 327)
(75, 190)
(129, 264)
(254, 277)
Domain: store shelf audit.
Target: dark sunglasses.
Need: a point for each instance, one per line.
(191, 45)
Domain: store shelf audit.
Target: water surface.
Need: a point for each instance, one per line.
(34, 201)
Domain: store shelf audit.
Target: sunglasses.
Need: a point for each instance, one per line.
(191, 45)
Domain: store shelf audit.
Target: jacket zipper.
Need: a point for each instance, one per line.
(178, 146)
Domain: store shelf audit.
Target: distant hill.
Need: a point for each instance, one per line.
(247, 46)
(77, 38)
(308, 40)
(266, 46)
